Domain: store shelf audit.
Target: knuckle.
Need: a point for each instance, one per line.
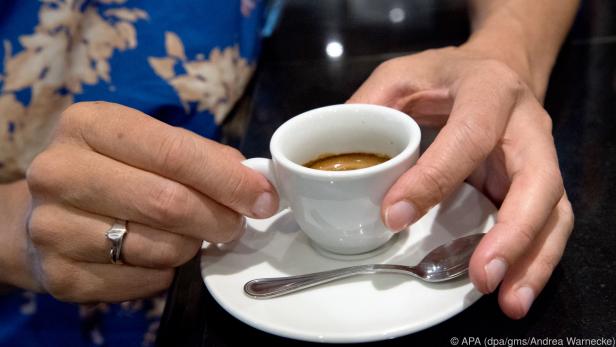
(476, 137)
(237, 185)
(388, 65)
(74, 116)
(173, 149)
(435, 181)
(566, 211)
(507, 77)
(39, 171)
(545, 122)
(38, 229)
(436, 54)
(77, 109)
(167, 255)
(547, 264)
(192, 247)
(76, 122)
(394, 66)
(231, 152)
(50, 170)
(555, 185)
(525, 232)
(168, 203)
(558, 185)
(504, 79)
(60, 281)
(387, 69)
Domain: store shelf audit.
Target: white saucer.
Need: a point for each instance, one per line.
(360, 309)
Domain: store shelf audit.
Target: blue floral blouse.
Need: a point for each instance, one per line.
(184, 62)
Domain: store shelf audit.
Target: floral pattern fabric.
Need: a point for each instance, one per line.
(184, 62)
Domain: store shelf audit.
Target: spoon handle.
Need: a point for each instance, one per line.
(263, 288)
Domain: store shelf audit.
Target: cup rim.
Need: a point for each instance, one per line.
(406, 153)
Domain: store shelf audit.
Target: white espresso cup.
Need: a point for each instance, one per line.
(340, 210)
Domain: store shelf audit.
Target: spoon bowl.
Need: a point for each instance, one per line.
(445, 262)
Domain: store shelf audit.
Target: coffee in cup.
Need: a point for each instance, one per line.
(346, 161)
(340, 211)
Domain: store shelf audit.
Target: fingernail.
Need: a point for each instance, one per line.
(400, 215)
(264, 205)
(495, 272)
(526, 296)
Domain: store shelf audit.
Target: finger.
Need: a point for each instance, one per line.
(429, 108)
(403, 85)
(385, 85)
(535, 190)
(530, 274)
(134, 138)
(491, 177)
(102, 186)
(80, 236)
(90, 283)
(480, 113)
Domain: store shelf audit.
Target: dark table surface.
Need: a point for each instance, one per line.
(295, 75)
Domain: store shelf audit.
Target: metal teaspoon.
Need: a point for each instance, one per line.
(443, 263)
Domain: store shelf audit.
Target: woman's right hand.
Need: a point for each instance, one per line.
(174, 188)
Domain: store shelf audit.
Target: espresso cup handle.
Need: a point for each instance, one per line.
(265, 167)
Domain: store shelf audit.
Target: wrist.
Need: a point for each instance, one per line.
(508, 42)
(15, 269)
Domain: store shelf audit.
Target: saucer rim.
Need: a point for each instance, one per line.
(370, 335)
(359, 337)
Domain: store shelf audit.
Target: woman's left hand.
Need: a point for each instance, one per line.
(496, 135)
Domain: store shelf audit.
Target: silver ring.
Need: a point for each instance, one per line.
(115, 235)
